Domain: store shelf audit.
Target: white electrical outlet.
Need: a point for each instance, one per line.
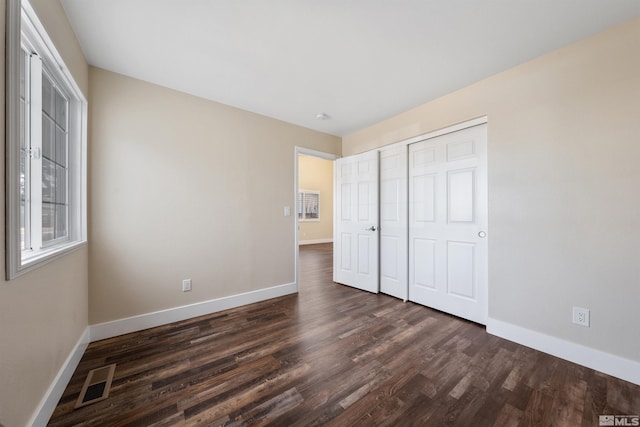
(186, 285)
(581, 316)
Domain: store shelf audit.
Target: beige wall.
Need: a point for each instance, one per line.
(564, 176)
(42, 313)
(317, 174)
(186, 188)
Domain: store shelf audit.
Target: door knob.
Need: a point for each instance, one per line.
(372, 228)
(482, 234)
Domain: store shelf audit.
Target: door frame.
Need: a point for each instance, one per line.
(313, 153)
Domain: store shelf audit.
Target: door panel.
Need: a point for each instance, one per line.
(394, 222)
(447, 212)
(424, 271)
(356, 247)
(461, 195)
(423, 198)
(460, 269)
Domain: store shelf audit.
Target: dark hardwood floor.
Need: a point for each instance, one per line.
(332, 355)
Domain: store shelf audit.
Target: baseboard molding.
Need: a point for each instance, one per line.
(315, 241)
(626, 369)
(50, 400)
(150, 320)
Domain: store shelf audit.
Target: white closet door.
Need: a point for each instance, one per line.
(394, 222)
(448, 223)
(355, 245)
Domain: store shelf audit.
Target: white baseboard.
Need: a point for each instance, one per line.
(149, 320)
(315, 241)
(626, 369)
(50, 400)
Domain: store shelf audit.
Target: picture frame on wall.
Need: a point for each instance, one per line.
(308, 205)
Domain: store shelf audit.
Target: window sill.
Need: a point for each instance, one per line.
(47, 256)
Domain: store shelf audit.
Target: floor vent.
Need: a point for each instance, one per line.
(96, 386)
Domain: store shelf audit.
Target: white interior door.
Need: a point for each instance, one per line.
(355, 246)
(448, 223)
(394, 222)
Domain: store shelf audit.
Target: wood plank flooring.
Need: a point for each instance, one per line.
(335, 356)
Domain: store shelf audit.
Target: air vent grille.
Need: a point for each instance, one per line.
(96, 386)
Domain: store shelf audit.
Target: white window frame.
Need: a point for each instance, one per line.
(23, 28)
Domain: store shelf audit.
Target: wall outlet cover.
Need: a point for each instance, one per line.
(581, 316)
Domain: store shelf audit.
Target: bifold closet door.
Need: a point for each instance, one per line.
(394, 222)
(355, 244)
(448, 223)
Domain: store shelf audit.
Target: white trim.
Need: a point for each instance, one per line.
(296, 154)
(12, 134)
(620, 367)
(53, 394)
(315, 241)
(158, 318)
(434, 134)
(315, 153)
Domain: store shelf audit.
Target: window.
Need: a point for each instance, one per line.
(45, 147)
(308, 205)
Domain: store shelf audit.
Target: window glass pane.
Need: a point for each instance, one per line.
(61, 185)
(23, 123)
(61, 110)
(24, 57)
(61, 221)
(61, 147)
(48, 138)
(48, 96)
(48, 181)
(48, 221)
(23, 238)
(23, 173)
(54, 162)
(24, 161)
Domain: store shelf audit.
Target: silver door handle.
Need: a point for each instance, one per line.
(482, 234)
(372, 228)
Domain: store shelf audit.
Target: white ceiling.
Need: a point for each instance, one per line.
(359, 61)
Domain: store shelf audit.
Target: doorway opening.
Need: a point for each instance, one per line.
(314, 209)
